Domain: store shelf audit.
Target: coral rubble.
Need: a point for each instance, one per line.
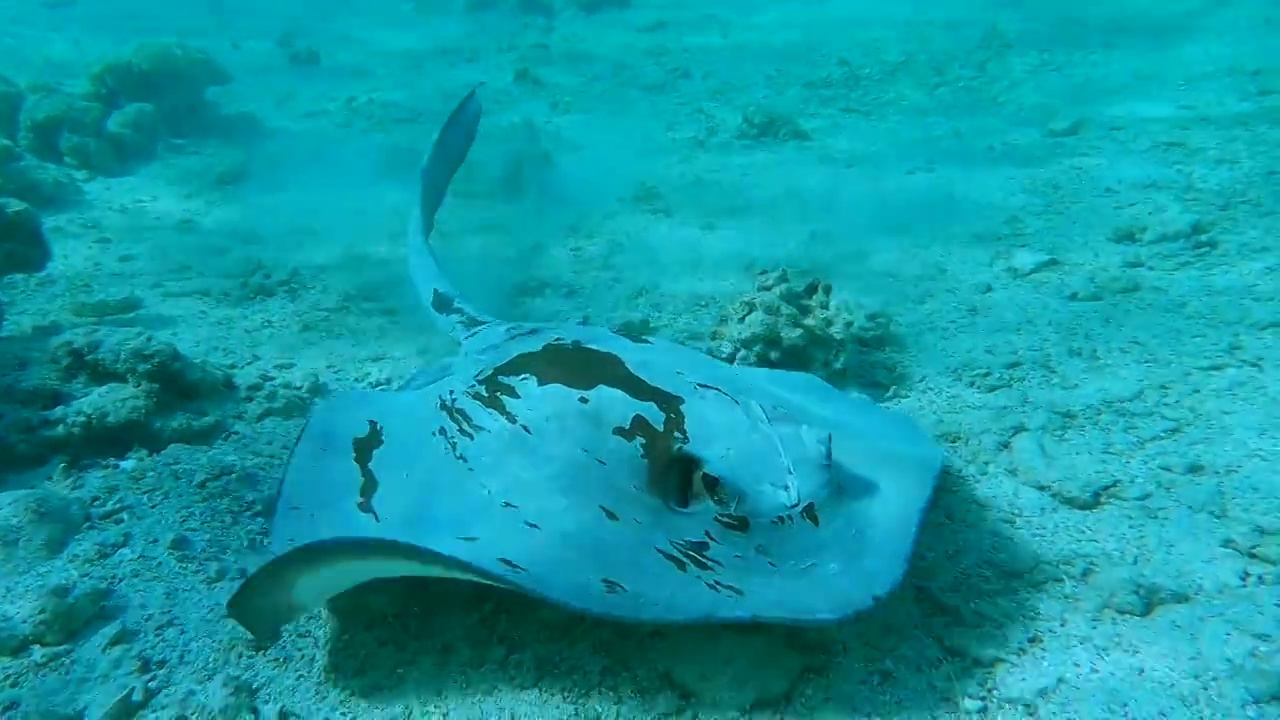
(111, 126)
(801, 327)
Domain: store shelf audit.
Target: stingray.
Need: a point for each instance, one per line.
(618, 476)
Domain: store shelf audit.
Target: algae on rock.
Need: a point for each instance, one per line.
(23, 247)
(53, 117)
(111, 127)
(173, 77)
(35, 182)
(785, 326)
(12, 98)
(134, 132)
(64, 129)
(105, 392)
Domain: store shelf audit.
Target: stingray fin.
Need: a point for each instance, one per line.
(454, 315)
(307, 577)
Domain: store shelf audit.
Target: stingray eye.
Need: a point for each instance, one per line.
(679, 484)
(687, 484)
(715, 490)
(710, 483)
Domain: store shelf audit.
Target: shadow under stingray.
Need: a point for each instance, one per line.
(966, 601)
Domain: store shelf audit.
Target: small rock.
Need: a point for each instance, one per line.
(40, 184)
(793, 326)
(1037, 463)
(109, 419)
(296, 51)
(114, 634)
(1128, 592)
(171, 76)
(731, 671)
(91, 154)
(124, 704)
(230, 169)
(304, 56)
(593, 7)
(180, 542)
(105, 307)
(23, 248)
(102, 356)
(231, 696)
(11, 100)
(1025, 262)
(13, 638)
(37, 525)
(1261, 676)
(49, 116)
(1171, 227)
(1028, 682)
(65, 609)
(134, 133)
(9, 152)
(1064, 127)
(1103, 286)
(770, 126)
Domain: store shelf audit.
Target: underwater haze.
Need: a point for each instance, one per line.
(1047, 232)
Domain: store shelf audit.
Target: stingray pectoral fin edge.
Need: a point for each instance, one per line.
(306, 577)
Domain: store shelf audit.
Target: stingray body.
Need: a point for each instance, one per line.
(621, 477)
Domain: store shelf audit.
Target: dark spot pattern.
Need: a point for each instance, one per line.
(676, 562)
(362, 449)
(713, 388)
(633, 336)
(512, 564)
(674, 475)
(733, 521)
(809, 513)
(452, 442)
(577, 366)
(695, 552)
(446, 305)
(729, 587)
(612, 587)
(462, 422)
(494, 404)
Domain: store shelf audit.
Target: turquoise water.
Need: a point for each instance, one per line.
(1050, 233)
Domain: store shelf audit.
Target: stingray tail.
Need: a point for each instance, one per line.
(452, 144)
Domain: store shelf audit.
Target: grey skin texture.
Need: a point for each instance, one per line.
(622, 477)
